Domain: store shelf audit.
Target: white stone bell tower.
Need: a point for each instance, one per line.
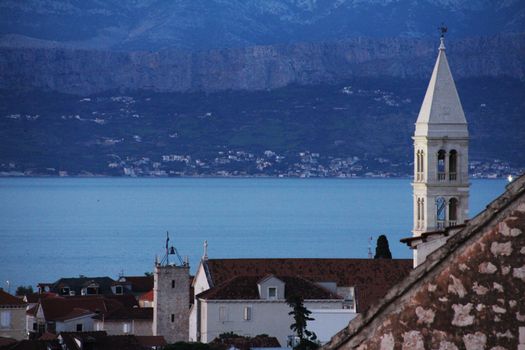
(441, 184)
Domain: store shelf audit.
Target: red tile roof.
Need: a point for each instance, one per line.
(7, 299)
(48, 336)
(100, 341)
(123, 313)
(245, 343)
(34, 345)
(370, 277)
(139, 284)
(246, 288)
(150, 341)
(148, 296)
(6, 341)
(62, 308)
(35, 297)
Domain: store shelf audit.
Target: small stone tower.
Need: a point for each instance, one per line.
(171, 299)
(441, 184)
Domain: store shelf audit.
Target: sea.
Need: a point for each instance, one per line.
(66, 227)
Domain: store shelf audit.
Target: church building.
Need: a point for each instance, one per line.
(441, 184)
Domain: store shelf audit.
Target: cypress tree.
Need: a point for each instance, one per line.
(382, 248)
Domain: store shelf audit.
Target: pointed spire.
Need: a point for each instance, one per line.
(441, 113)
(442, 44)
(205, 253)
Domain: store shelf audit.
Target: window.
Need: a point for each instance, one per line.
(420, 212)
(441, 165)
(247, 313)
(419, 165)
(5, 319)
(119, 290)
(452, 165)
(441, 205)
(453, 211)
(64, 291)
(35, 326)
(126, 328)
(222, 313)
(172, 317)
(272, 293)
(172, 283)
(79, 327)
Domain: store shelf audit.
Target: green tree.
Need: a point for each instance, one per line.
(24, 290)
(301, 316)
(382, 248)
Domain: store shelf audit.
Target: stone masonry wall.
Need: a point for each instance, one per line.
(171, 302)
(476, 301)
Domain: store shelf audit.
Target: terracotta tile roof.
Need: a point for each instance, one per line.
(370, 277)
(74, 313)
(48, 336)
(100, 341)
(6, 341)
(35, 297)
(123, 313)
(127, 300)
(150, 341)
(139, 284)
(245, 343)
(245, 288)
(34, 345)
(32, 311)
(7, 299)
(77, 283)
(148, 296)
(62, 308)
(465, 271)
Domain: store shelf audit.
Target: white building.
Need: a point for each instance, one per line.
(247, 296)
(441, 184)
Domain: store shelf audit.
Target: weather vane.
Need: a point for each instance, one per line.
(442, 29)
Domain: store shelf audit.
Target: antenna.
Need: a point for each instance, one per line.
(370, 256)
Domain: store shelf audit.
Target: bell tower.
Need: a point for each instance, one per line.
(441, 184)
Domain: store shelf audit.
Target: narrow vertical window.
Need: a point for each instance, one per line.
(172, 283)
(453, 165)
(272, 293)
(5, 319)
(441, 205)
(172, 317)
(441, 165)
(222, 313)
(247, 313)
(453, 212)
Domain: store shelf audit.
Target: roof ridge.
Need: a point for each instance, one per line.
(434, 261)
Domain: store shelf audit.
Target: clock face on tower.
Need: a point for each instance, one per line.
(441, 205)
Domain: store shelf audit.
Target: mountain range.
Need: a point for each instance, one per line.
(111, 87)
(205, 24)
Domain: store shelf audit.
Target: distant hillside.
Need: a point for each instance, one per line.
(255, 68)
(205, 24)
(361, 126)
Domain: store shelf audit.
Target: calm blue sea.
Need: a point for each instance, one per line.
(58, 227)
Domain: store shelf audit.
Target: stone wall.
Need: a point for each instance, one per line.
(474, 299)
(171, 302)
